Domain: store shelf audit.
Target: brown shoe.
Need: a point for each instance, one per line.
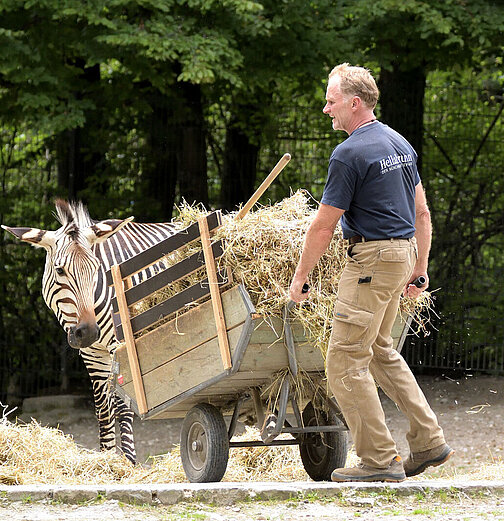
(417, 462)
(394, 473)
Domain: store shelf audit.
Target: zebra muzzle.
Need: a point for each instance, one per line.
(83, 335)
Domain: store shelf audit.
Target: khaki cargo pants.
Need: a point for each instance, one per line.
(361, 351)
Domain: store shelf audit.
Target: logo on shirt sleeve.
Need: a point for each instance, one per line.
(395, 161)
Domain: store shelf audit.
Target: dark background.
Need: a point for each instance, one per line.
(134, 107)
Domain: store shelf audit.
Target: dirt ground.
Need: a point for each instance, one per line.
(456, 508)
(470, 410)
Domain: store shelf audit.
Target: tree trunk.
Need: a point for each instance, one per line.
(176, 151)
(240, 167)
(243, 144)
(161, 168)
(401, 104)
(78, 150)
(192, 159)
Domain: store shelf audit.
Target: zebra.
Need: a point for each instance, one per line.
(73, 285)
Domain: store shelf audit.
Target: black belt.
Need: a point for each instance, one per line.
(358, 238)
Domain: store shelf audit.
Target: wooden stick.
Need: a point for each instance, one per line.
(253, 200)
(129, 339)
(218, 310)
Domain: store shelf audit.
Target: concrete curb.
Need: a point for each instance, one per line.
(231, 493)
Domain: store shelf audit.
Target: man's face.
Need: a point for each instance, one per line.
(337, 106)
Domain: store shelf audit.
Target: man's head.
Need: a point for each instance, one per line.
(356, 81)
(351, 96)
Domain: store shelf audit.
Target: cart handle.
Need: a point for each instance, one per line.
(276, 170)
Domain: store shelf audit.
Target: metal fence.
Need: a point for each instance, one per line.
(62, 372)
(458, 340)
(463, 156)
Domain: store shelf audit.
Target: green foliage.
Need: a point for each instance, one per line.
(41, 62)
(413, 33)
(26, 323)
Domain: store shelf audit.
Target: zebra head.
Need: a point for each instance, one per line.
(71, 268)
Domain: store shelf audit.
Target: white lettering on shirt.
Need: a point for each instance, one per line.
(392, 162)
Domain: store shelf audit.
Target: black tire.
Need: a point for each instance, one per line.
(322, 452)
(204, 444)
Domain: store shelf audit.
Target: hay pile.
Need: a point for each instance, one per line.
(262, 251)
(32, 454)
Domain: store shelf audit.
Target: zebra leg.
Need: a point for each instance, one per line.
(105, 414)
(98, 363)
(125, 416)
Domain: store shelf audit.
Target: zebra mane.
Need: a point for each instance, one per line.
(73, 216)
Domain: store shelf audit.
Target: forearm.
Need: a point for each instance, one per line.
(316, 242)
(317, 239)
(423, 236)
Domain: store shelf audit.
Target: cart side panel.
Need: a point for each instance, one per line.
(184, 372)
(183, 333)
(267, 350)
(183, 352)
(263, 357)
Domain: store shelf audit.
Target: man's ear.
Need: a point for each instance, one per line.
(36, 237)
(102, 230)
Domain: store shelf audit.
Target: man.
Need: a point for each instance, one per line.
(373, 186)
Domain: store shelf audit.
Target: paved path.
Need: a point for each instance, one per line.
(231, 493)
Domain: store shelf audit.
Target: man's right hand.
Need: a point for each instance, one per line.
(297, 291)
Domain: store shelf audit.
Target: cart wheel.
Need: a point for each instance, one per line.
(322, 452)
(204, 444)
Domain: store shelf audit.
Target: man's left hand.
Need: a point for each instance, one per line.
(413, 291)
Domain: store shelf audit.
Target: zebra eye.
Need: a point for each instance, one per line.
(60, 270)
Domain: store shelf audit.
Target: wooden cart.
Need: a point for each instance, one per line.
(216, 358)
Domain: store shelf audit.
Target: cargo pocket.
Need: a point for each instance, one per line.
(392, 266)
(388, 282)
(350, 324)
(393, 255)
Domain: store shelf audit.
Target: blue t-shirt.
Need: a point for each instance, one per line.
(372, 176)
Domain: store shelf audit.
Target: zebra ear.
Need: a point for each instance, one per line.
(36, 237)
(101, 231)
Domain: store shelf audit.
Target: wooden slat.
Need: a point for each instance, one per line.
(170, 380)
(264, 333)
(153, 254)
(130, 341)
(183, 373)
(250, 375)
(265, 357)
(163, 309)
(215, 293)
(188, 330)
(168, 276)
(169, 306)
